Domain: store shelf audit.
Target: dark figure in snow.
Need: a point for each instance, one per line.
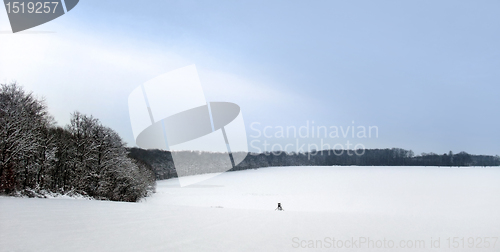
(279, 207)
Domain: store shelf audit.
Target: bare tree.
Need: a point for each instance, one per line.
(85, 156)
(22, 120)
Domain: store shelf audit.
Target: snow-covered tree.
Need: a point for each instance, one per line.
(100, 160)
(85, 156)
(23, 118)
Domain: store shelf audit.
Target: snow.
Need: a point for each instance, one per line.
(235, 211)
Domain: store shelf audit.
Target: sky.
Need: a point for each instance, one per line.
(424, 73)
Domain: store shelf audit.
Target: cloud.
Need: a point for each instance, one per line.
(95, 74)
(224, 86)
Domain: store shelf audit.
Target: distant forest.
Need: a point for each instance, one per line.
(163, 166)
(87, 158)
(83, 158)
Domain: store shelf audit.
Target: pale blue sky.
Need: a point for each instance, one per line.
(424, 72)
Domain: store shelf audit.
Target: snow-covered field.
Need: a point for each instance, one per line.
(235, 211)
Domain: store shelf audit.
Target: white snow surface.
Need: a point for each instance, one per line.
(235, 211)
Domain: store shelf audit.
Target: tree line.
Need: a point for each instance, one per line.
(84, 157)
(164, 168)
